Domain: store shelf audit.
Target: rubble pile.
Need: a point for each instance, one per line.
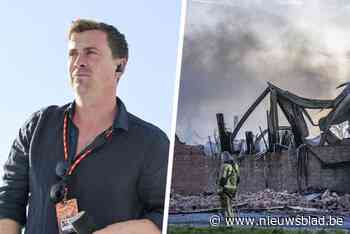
(179, 203)
(266, 200)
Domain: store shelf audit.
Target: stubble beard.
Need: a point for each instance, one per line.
(80, 86)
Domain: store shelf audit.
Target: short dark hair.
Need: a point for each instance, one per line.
(116, 40)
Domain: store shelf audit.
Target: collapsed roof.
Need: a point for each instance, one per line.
(295, 109)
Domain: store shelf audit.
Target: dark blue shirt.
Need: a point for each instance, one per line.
(123, 179)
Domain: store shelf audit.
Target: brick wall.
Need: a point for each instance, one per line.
(337, 179)
(276, 171)
(194, 173)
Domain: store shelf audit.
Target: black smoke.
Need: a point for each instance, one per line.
(230, 52)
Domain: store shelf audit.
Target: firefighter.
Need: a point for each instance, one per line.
(228, 182)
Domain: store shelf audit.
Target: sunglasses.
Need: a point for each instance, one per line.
(58, 190)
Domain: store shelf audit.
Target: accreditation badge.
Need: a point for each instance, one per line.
(66, 212)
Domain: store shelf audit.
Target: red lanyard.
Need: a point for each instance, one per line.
(65, 146)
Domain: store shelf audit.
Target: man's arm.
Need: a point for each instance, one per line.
(9, 226)
(14, 188)
(144, 226)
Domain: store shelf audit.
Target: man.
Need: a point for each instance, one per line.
(229, 180)
(114, 164)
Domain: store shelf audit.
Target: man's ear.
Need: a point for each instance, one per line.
(120, 68)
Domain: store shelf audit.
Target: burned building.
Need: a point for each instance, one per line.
(291, 161)
(281, 158)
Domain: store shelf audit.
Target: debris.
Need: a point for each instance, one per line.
(266, 200)
(325, 194)
(312, 196)
(299, 208)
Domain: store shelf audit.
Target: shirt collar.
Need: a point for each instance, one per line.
(120, 119)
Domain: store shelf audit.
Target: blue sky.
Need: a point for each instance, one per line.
(33, 57)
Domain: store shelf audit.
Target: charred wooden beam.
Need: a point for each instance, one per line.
(263, 137)
(269, 131)
(223, 134)
(248, 112)
(249, 139)
(273, 128)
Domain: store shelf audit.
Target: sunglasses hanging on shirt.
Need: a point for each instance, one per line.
(58, 190)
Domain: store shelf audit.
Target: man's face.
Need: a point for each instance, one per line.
(91, 65)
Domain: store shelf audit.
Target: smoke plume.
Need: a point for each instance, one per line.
(232, 49)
